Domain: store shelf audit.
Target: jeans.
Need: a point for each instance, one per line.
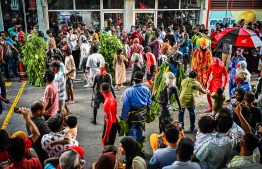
(192, 116)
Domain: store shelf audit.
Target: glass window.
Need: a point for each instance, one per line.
(95, 20)
(168, 4)
(143, 19)
(145, 4)
(113, 4)
(60, 4)
(116, 19)
(177, 18)
(190, 4)
(87, 4)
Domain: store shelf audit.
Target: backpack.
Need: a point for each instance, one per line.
(8, 53)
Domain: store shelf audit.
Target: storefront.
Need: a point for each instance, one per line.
(13, 13)
(125, 13)
(251, 11)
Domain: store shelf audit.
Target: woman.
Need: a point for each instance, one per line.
(166, 109)
(135, 48)
(120, 69)
(149, 37)
(134, 157)
(95, 39)
(51, 46)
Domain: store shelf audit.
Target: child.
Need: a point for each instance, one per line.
(219, 98)
(70, 131)
(126, 46)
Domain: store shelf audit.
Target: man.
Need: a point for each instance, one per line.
(177, 33)
(118, 32)
(70, 74)
(55, 125)
(70, 160)
(156, 44)
(170, 37)
(159, 159)
(136, 104)
(50, 98)
(256, 113)
(189, 86)
(59, 38)
(216, 152)
(72, 41)
(110, 112)
(226, 54)
(38, 111)
(60, 83)
(16, 151)
(186, 48)
(93, 63)
(248, 143)
(8, 60)
(138, 34)
(101, 77)
(162, 33)
(213, 41)
(184, 153)
(57, 58)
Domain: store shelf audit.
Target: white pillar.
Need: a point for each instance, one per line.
(1, 19)
(203, 12)
(129, 14)
(42, 14)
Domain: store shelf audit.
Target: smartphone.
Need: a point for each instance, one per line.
(16, 110)
(234, 102)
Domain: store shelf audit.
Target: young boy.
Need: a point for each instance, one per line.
(110, 112)
(218, 98)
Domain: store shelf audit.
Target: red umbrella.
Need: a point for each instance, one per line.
(239, 37)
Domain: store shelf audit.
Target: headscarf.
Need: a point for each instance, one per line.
(106, 160)
(95, 38)
(242, 65)
(132, 149)
(21, 36)
(136, 41)
(135, 57)
(217, 65)
(241, 75)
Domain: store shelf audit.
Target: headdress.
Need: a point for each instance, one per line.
(202, 43)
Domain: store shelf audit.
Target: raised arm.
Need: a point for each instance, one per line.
(245, 126)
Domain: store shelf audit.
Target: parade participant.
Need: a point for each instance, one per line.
(150, 61)
(201, 60)
(242, 65)
(218, 70)
(101, 77)
(188, 89)
(170, 88)
(138, 66)
(136, 104)
(110, 112)
(233, 67)
(240, 80)
(135, 48)
(175, 60)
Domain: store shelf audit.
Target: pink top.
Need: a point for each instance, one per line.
(51, 91)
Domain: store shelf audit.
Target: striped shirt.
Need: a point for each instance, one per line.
(60, 82)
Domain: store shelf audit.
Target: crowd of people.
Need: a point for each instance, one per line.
(229, 137)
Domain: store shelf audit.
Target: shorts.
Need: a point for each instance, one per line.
(259, 67)
(70, 82)
(98, 98)
(152, 71)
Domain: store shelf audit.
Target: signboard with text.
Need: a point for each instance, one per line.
(216, 16)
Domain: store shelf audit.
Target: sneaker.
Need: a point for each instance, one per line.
(87, 85)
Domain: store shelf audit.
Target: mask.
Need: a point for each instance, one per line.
(238, 80)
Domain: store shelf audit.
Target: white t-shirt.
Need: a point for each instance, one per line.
(260, 53)
(92, 63)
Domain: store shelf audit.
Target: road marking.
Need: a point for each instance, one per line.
(11, 110)
(8, 84)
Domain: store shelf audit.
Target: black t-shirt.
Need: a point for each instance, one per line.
(98, 80)
(255, 116)
(171, 39)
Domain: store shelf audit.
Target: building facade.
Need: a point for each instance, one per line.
(125, 13)
(232, 11)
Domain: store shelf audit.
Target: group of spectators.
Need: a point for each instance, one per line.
(229, 138)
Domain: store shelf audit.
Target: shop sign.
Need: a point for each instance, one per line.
(232, 17)
(14, 5)
(32, 5)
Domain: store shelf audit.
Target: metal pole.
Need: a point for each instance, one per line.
(226, 12)
(23, 1)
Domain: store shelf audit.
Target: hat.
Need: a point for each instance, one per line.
(139, 75)
(19, 134)
(69, 159)
(55, 64)
(79, 150)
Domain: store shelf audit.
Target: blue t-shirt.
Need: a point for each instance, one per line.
(186, 46)
(163, 157)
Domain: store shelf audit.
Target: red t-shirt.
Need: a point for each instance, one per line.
(213, 44)
(51, 91)
(32, 163)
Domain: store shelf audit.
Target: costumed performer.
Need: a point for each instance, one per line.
(240, 80)
(242, 65)
(201, 60)
(218, 69)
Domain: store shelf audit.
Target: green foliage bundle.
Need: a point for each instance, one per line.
(34, 59)
(108, 46)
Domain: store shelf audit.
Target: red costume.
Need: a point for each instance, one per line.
(201, 60)
(218, 70)
(111, 123)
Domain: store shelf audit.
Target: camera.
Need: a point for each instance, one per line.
(17, 110)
